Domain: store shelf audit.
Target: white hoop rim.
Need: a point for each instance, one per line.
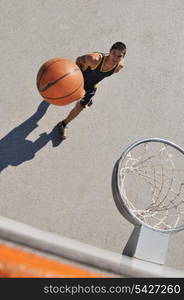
(119, 201)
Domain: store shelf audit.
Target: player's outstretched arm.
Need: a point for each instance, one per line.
(120, 66)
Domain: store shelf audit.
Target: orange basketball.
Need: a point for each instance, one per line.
(60, 81)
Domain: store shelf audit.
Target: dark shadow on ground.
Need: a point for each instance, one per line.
(16, 149)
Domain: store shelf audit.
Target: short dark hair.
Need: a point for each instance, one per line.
(119, 46)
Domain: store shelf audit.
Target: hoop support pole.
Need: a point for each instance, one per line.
(147, 244)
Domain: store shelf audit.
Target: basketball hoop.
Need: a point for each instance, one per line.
(148, 186)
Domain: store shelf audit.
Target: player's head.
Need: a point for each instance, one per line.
(119, 46)
(117, 51)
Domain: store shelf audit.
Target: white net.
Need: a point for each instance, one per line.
(152, 184)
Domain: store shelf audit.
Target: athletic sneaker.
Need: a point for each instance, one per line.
(61, 130)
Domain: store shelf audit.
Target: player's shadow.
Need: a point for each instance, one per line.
(16, 149)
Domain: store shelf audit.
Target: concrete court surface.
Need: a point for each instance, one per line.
(67, 189)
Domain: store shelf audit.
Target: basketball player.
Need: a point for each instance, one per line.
(94, 67)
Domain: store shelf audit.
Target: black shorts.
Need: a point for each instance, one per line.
(87, 97)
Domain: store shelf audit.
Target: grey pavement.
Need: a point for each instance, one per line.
(66, 188)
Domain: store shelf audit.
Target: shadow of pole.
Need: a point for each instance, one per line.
(16, 149)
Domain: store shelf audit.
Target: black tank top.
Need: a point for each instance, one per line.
(92, 76)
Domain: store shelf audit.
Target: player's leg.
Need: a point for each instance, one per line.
(61, 127)
(73, 113)
(86, 101)
(83, 103)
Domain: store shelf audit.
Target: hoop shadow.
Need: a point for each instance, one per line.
(16, 149)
